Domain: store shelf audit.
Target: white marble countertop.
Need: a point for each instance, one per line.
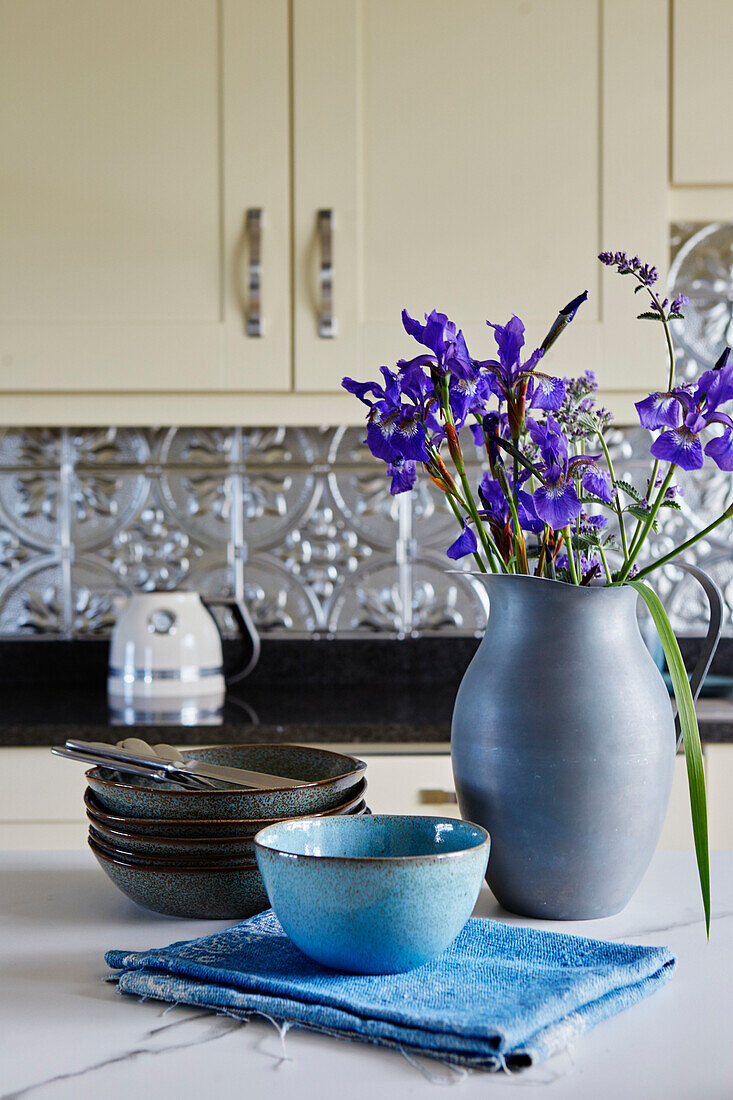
(64, 1033)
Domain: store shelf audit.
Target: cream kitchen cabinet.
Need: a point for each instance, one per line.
(135, 138)
(473, 155)
(477, 155)
(41, 797)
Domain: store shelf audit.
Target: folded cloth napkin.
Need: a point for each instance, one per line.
(500, 997)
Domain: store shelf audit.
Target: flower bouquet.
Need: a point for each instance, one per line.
(549, 504)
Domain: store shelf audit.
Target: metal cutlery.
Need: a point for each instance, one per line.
(127, 768)
(116, 756)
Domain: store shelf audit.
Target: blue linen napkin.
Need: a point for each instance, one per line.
(500, 997)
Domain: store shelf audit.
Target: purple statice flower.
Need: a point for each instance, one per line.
(445, 341)
(647, 274)
(509, 368)
(578, 400)
(466, 543)
(677, 304)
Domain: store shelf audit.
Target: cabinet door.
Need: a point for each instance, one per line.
(702, 85)
(135, 136)
(476, 156)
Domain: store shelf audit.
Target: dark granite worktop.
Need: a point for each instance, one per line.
(372, 691)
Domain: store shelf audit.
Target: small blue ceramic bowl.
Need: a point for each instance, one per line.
(372, 895)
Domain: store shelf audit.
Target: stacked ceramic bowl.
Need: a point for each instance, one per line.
(190, 853)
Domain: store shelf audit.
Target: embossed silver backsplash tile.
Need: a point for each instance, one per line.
(299, 522)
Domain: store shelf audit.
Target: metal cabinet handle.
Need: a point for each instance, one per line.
(436, 797)
(253, 317)
(326, 319)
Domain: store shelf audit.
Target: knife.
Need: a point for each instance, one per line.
(238, 777)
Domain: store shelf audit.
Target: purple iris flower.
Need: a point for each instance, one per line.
(509, 368)
(444, 340)
(391, 436)
(681, 446)
(466, 543)
(404, 474)
(699, 409)
(395, 431)
(545, 392)
(720, 450)
(597, 483)
(550, 439)
(466, 396)
(497, 508)
(658, 410)
(556, 502)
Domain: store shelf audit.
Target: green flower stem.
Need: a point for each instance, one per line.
(617, 505)
(606, 570)
(470, 503)
(648, 523)
(571, 558)
(670, 384)
(727, 514)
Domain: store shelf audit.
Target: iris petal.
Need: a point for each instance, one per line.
(658, 410)
(466, 543)
(720, 450)
(557, 504)
(680, 446)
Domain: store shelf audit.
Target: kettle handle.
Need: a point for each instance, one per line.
(710, 643)
(247, 631)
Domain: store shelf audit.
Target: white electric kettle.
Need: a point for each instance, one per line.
(166, 652)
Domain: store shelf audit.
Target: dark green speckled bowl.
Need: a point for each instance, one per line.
(327, 777)
(197, 829)
(199, 893)
(192, 849)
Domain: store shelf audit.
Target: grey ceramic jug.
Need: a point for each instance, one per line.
(563, 745)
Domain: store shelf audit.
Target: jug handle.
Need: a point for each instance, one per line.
(247, 630)
(710, 643)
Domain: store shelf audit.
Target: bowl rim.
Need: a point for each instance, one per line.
(136, 865)
(373, 818)
(153, 859)
(99, 811)
(355, 809)
(93, 773)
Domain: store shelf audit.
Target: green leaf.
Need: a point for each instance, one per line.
(639, 512)
(676, 317)
(587, 420)
(690, 737)
(639, 287)
(649, 316)
(587, 542)
(629, 489)
(671, 504)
